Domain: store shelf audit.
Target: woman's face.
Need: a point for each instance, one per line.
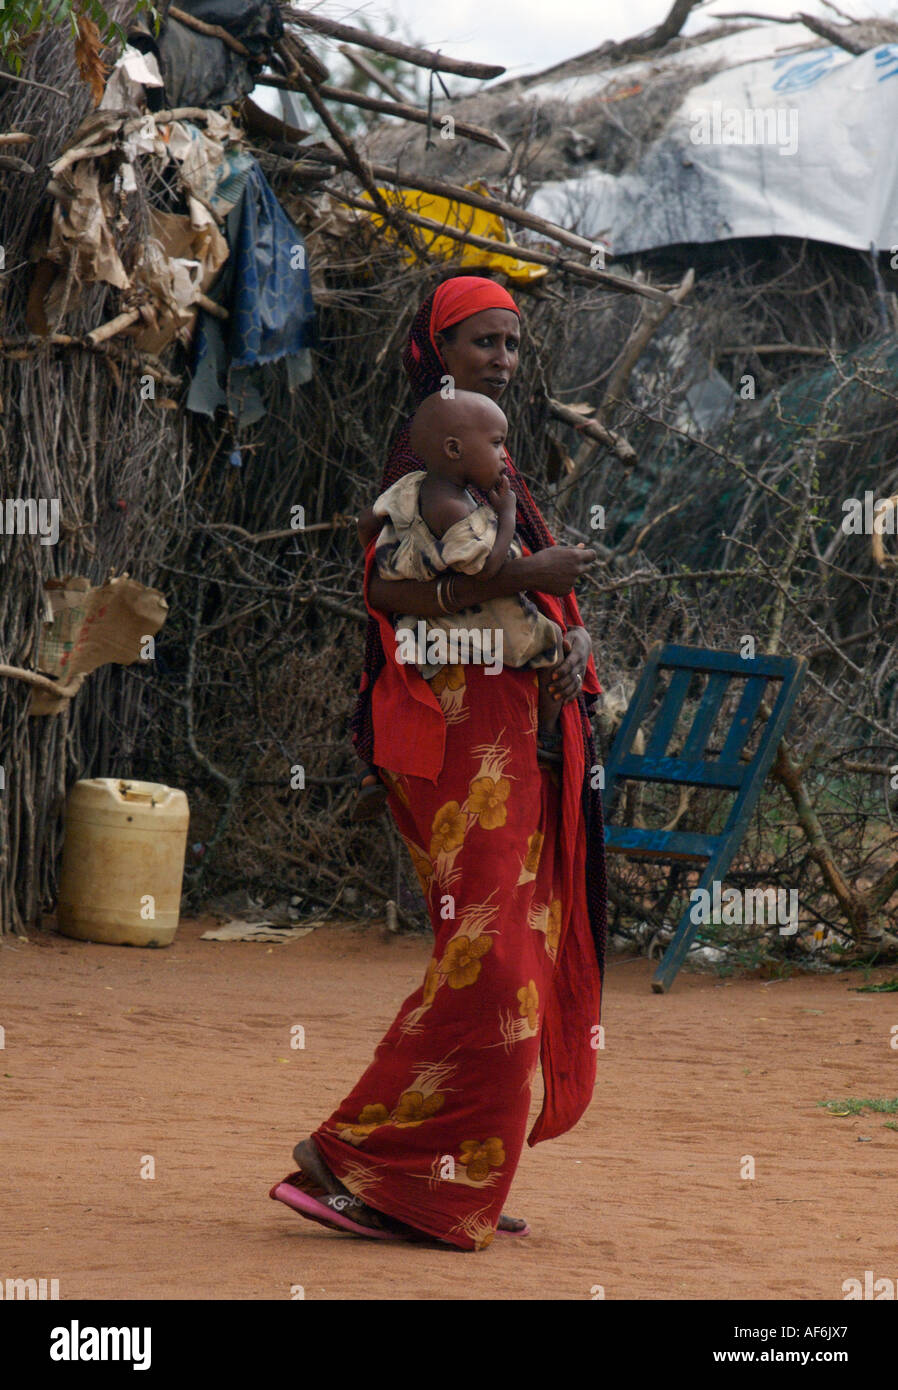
(483, 353)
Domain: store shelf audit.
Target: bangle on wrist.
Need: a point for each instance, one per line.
(451, 595)
(440, 603)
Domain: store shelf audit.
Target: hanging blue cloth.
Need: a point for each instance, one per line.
(271, 306)
(265, 286)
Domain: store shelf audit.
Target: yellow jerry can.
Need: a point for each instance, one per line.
(122, 862)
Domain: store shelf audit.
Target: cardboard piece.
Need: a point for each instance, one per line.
(88, 627)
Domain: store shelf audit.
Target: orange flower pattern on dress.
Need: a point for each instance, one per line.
(422, 865)
(461, 963)
(486, 800)
(479, 1156)
(553, 928)
(534, 850)
(413, 1108)
(370, 1118)
(418, 1101)
(396, 784)
(431, 981)
(460, 958)
(528, 1003)
(448, 678)
(448, 829)
(547, 918)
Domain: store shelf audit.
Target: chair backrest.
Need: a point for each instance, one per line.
(692, 765)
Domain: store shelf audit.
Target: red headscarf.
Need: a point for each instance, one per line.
(462, 296)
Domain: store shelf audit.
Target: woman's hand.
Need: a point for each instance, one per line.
(556, 569)
(567, 678)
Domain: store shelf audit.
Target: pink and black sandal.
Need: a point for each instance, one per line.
(524, 1231)
(327, 1208)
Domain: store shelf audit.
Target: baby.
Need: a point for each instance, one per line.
(429, 524)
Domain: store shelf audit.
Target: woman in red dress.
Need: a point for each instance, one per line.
(510, 857)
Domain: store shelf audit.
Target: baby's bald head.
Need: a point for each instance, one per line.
(465, 416)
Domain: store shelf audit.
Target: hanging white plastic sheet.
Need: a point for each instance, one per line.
(793, 144)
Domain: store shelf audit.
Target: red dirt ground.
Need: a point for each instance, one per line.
(189, 1061)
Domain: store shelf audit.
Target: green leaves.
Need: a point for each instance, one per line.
(21, 21)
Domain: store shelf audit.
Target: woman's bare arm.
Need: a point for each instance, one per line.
(551, 571)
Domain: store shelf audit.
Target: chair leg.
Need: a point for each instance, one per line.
(684, 935)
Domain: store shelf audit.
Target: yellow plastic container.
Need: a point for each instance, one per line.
(122, 862)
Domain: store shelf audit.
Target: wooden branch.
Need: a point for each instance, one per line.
(72, 156)
(668, 29)
(358, 166)
(212, 31)
(30, 82)
(373, 73)
(15, 165)
(420, 57)
(114, 326)
(857, 907)
(275, 160)
(388, 174)
(335, 524)
(764, 348)
(841, 13)
(650, 319)
(610, 51)
(218, 311)
(64, 690)
(855, 637)
(148, 365)
(392, 108)
(15, 137)
(296, 53)
(594, 429)
(786, 771)
(879, 893)
(833, 33)
(521, 253)
(175, 113)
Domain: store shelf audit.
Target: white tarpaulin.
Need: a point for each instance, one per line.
(792, 144)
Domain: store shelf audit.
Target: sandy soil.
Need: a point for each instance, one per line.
(189, 1061)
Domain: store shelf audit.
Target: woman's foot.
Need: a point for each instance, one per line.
(313, 1166)
(309, 1161)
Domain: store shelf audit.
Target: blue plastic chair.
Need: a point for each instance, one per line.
(693, 767)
